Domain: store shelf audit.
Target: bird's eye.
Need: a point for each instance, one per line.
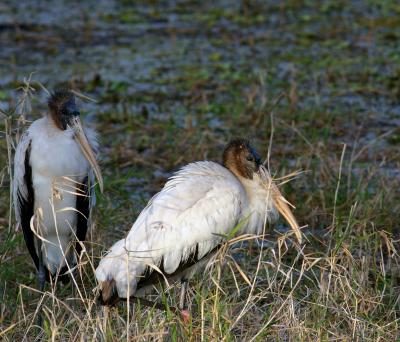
(250, 158)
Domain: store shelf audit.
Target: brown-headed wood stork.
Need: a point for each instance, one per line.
(54, 172)
(185, 223)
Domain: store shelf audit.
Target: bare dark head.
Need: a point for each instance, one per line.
(62, 108)
(241, 159)
(65, 113)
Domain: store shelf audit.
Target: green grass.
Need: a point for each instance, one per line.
(343, 284)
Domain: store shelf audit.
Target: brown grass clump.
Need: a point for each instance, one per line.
(342, 283)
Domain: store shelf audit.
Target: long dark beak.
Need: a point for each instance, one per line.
(86, 149)
(282, 206)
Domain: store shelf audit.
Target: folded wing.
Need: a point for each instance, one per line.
(23, 193)
(181, 223)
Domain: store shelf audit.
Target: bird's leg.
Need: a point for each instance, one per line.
(42, 280)
(182, 299)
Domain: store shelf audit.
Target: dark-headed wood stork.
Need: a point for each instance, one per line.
(54, 169)
(184, 223)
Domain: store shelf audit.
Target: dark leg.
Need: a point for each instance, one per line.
(182, 297)
(185, 315)
(42, 280)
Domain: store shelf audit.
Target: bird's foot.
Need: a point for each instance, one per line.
(185, 315)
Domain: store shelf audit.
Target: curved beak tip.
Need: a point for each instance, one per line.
(101, 185)
(283, 208)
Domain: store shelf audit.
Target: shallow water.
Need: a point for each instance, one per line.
(184, 66)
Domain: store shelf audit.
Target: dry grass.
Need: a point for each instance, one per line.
(341, 284)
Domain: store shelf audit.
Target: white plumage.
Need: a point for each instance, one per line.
(53, 186)
(201, 202)
(58, 166)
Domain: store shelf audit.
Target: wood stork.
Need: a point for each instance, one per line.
(54, 169)
(182, 225)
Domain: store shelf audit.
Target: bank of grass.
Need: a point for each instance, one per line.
(341, 284)
(337, 67)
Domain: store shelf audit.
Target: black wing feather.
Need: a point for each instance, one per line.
(150, 277)
(26, 206)
(83, 207)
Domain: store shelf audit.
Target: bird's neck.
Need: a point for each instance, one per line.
(54, 121)
(260, 205)
(252, 186)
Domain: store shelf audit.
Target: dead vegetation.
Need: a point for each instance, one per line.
(320, 81)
